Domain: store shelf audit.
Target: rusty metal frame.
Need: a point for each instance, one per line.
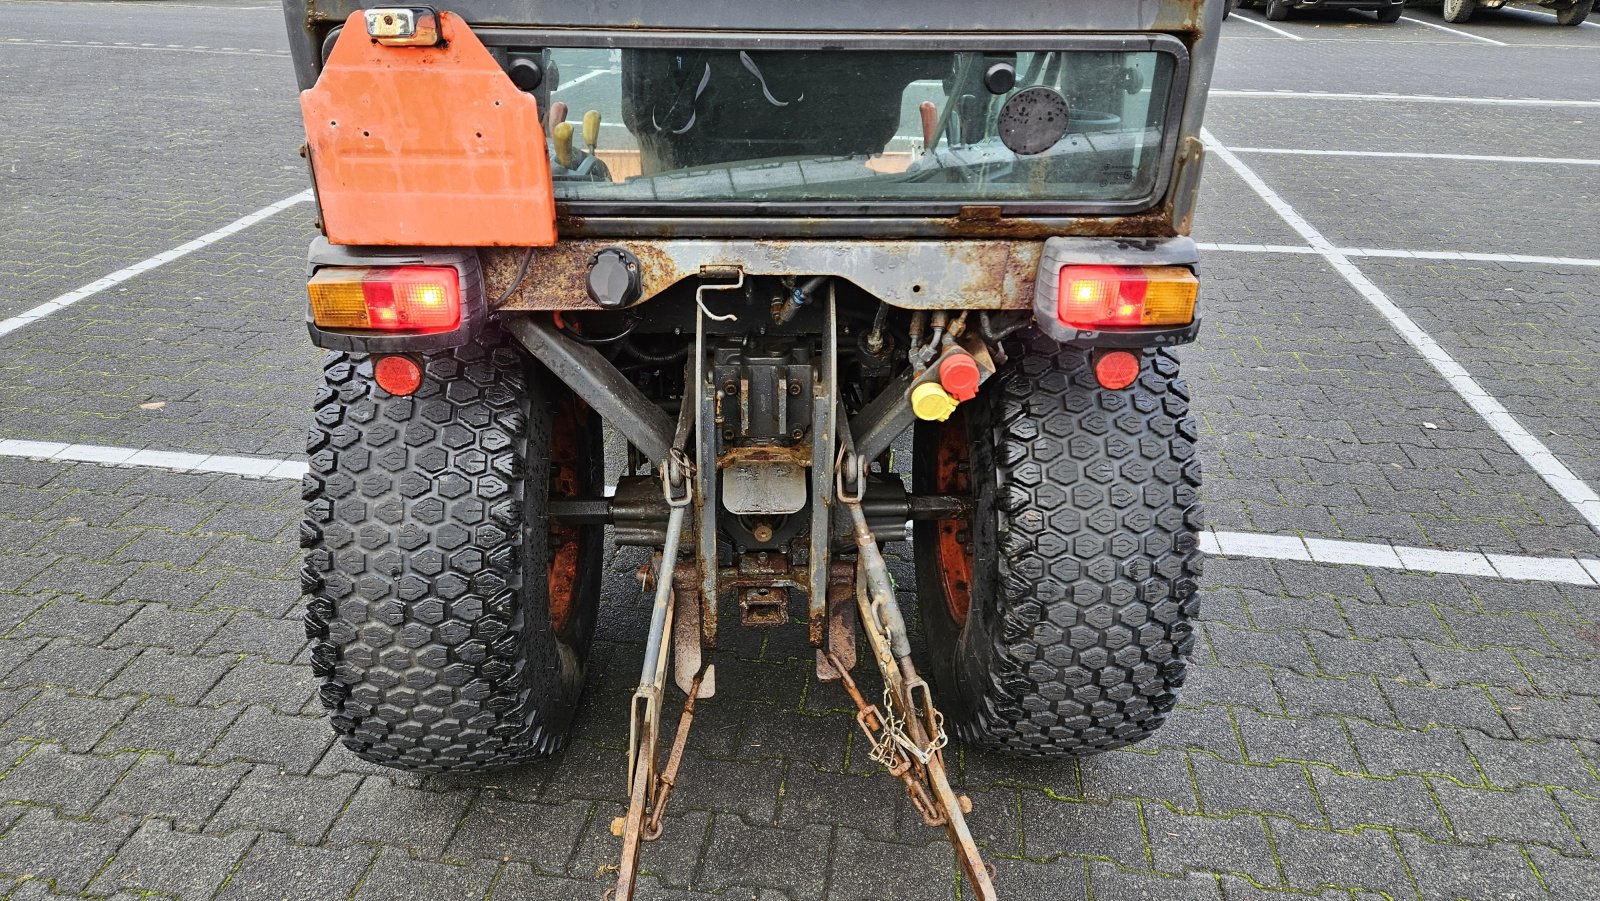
(700, 390)
(910, 274)
(824, 438)
(597, 380)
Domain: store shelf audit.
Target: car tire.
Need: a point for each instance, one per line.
(1228, 7)
(451, 619)
(1277, 10)
(1391, 14)
(1575, 13)
(1058, 616)
(1458, 11)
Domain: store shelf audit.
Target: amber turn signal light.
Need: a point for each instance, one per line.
(388, 299)
(1096, 297)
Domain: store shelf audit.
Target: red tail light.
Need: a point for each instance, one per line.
(1094, 297)
(389, 298)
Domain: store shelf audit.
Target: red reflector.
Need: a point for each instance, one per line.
(1116, 369)
(399, 376)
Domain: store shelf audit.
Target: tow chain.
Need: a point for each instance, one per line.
(907, 735)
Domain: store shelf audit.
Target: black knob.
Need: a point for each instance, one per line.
(525, 73)
(1000, 78)
(614, 278)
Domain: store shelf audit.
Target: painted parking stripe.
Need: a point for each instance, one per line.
(585, 77)
(1566, 570)
(50, 307)
(1394, 254)
(1469, 257)
(261, 467)
(1475, 37)
(1268, 26)
(1407, 155)
(124, 45)
(1403, 98)
(1571, 570)
(1555, 473)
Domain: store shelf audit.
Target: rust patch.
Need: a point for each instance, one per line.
(955, 556)
(566, 453)
(799, 455)
(558, 277)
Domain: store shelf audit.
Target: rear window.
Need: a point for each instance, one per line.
(862, 129)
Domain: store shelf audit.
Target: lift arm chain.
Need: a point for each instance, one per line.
(904, 690)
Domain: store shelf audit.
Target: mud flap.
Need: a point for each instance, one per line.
(427, 146)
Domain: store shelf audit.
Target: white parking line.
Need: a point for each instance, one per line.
(585, 77)
(1569, 570)
(1268, 26)
(161, 259)
(124, 45)
(1475, 37)
(1468, 257)
(262, 467)
(1531, 449)
(1406, 155)
(1385, 253)
(1403, 98)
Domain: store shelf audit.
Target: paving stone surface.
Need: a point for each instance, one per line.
(1348, 733)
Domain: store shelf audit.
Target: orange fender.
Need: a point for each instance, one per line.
(430, 146)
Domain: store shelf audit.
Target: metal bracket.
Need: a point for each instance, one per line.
(824, 437)
(619, 402)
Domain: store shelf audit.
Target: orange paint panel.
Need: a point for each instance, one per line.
(429, 146)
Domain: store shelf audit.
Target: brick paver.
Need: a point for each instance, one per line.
(1348, 733)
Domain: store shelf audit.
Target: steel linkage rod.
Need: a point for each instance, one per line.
(911, 722)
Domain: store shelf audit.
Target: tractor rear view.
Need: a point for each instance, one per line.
(763, 246)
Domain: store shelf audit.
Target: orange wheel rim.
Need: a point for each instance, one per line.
(567, 452)
(954, 536)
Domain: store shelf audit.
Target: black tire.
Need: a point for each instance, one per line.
(1458, 11)
(429, 559)
(1575, 13)
(1390, 14)
(1228, 8)
(1277, 10)
(1081, 566)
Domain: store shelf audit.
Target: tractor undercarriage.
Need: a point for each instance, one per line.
(759, 490)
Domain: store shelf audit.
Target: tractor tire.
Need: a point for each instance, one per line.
(1575, 13)
(451, 619)
(1058, 617)
(1390, 15)
(1458, 11)
(1277, 10)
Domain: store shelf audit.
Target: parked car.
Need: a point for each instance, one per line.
(1568, 12)
(1278, 10)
